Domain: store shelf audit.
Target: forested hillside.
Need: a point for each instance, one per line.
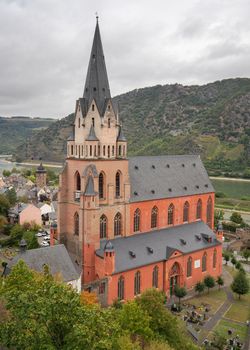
(212, 120)
(16, 130)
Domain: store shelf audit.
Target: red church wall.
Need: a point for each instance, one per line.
(164, 273)
(146, 281)
(163, 204)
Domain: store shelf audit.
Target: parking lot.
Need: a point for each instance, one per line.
(44, 238)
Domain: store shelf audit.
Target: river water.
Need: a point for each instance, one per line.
(6, 165)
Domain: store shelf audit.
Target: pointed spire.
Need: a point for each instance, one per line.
(97, 84)
(121, 136)
(89, 190)
(92, 135)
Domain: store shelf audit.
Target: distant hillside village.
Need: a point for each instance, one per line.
(28, 218)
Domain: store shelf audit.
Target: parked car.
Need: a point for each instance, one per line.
(45, 244)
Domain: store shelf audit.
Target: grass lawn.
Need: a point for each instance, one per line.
(239, 311)
(224, 325)
(215, 299)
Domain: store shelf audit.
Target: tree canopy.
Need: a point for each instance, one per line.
(37, 313)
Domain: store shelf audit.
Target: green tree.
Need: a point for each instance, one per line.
(209, 282)
(135, 321)
(220, 281)
(44, 314)
(162, 322)
(240, 284)
(226, 256)
(238, 265)
(11, 196)
(31, 240)
(6, 173)
(4, 205)
(3, 222)
(16, 233)
(246, 254)
(236, 217)
(233, 261)
(180, 292)
(218, 216)
(199, 287)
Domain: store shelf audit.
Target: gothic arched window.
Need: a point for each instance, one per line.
(117, 184)
(199, 209)
(155, 277)
(214, 258)
(137, 220)
(103, 227)
(77, 181)
(101, 186)
(209, 212)
(154, 217)
(137, 283)
(186, 212)
(189, 267)
(120, 293)
(204, 262)
(118, 225)
(76, 224)
(171, 214)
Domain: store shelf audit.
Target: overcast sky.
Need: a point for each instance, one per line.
(45, 47)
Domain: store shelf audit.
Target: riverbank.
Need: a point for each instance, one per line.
(229, 179)
(47, 165)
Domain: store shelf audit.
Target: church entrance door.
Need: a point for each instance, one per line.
(173, 283)
(174, 277)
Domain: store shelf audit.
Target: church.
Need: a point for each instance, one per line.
(131, 223)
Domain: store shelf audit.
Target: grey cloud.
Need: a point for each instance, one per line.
(45, 47)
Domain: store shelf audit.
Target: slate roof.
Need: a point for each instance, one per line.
(89, 190)
(121, 136)
(56, 257)
(97, 84)
(92, 135)
(162, 243)
(41, 169)
(156, 177)
(71, 137)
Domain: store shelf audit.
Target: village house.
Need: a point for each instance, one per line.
(23, 213)
(55, 257)
(131, 223)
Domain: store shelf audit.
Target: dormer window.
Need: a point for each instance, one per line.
(93, 107)
(94, 88)
(79, 123)
(93, 121)
(109, 107)
(109, 123)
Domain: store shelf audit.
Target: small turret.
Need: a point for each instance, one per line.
(121, 144)
(41, 176)
(109, 258)
(23, 246)
(219, 232)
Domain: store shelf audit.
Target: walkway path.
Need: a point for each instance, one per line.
(210, 324)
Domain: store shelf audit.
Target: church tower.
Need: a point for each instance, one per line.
(94, 187)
